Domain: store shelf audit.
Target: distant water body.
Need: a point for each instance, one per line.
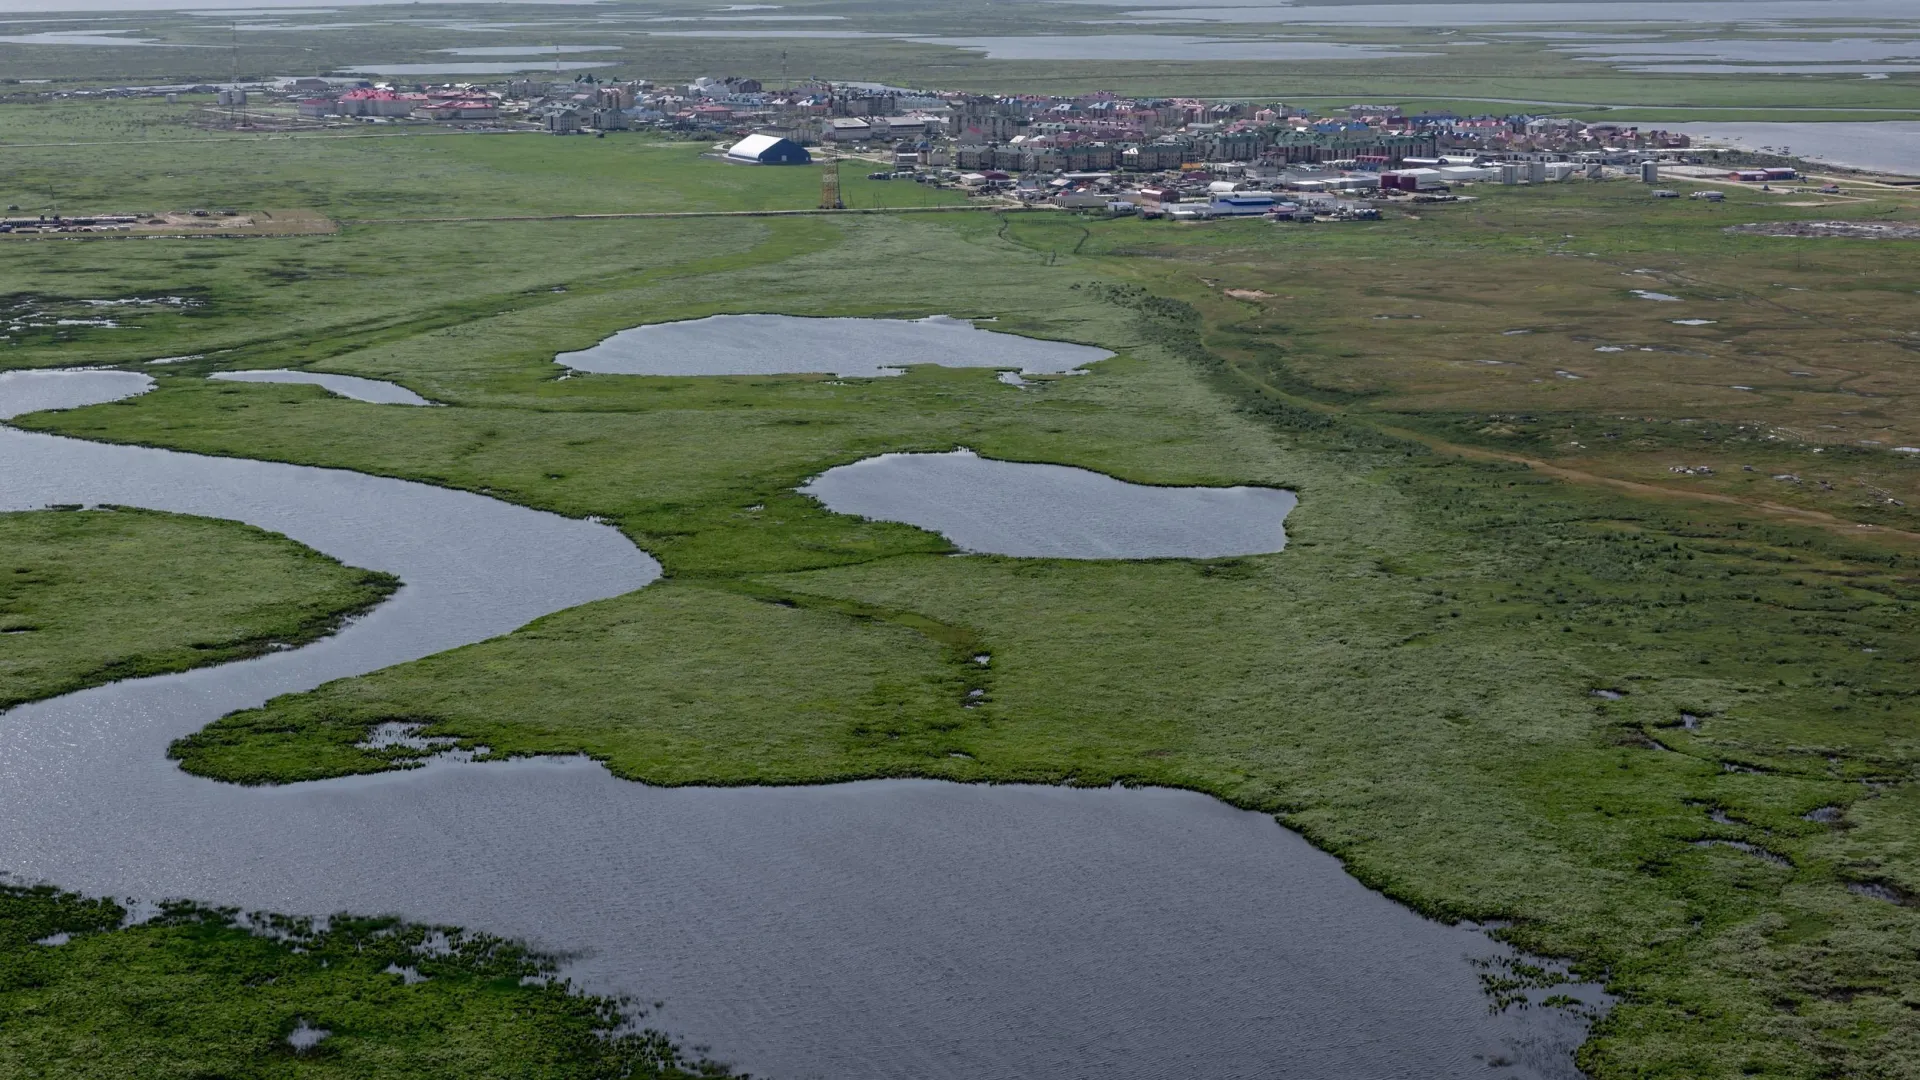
(235, 7)
(1543, 14)
(1884, 145)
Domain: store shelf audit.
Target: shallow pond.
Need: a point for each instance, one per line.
(1054, 511)
(347, 386)
(849, 348)
(879, 929)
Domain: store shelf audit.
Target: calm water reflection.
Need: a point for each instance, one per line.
(880, 929)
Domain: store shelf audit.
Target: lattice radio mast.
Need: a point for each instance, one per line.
(236, 98)
(830, 186)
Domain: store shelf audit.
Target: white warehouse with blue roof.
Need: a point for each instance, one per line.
(768, 150)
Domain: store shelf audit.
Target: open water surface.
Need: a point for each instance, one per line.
(1884, 145)
(880, 929)
(347, 386)
(1053, 511)
(849, 348)
(1548, 14)
(531, 63)
(1161, 47)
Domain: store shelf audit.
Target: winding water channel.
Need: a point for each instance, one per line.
(373, 391)
(881, 929)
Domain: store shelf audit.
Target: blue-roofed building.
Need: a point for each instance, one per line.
(769, 150)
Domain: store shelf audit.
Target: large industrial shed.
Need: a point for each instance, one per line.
(769, 150)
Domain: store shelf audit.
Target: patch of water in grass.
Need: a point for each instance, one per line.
(23, 392)
(347, 386)
(305, 1037)
(1054, 511)
(848, 348)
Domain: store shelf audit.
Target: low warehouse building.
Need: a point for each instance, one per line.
(769, 150)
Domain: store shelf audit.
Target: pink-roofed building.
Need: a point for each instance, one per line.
(464, 109)
(379, 103)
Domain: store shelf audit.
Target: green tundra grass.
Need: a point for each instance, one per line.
(88, 597)
(1411, 684)
(87, 994)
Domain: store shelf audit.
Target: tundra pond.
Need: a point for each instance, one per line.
(374, 391)
(1053, 511)
(852, 930)
(849, 348)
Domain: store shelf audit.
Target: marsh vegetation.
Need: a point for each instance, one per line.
(1477, 547)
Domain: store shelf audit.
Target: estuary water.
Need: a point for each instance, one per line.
(880, 929)
(1882, 145)
(849, 348)
(1053, 511)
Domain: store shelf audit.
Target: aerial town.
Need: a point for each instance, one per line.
(695, 540)
(1177, 158)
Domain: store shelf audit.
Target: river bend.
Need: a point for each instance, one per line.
(871, 930)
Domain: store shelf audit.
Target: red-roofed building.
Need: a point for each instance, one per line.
(379, 103)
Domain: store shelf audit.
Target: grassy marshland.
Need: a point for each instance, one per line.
(192, 992)
(1411, 684)
(92, 596)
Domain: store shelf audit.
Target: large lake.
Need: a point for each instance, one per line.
(788, 344)
(881, 929)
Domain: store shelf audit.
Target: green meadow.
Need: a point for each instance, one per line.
(89, 597)
(1412, 684)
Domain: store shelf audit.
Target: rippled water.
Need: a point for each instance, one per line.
(880, 929)
(348, 386)
(849, 348)
(1889, 145)
(1053, 511)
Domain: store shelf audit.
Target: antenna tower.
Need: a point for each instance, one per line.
(830, 186)
(236, 99)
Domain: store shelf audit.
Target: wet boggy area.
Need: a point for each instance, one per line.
(876, 929)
